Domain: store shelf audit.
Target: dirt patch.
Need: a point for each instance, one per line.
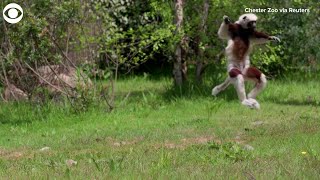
(11, 154)
(186, 142)
(197, 140)
(181, 144)
(117, 143)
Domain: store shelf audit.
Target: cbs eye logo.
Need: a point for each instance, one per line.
(11, 14)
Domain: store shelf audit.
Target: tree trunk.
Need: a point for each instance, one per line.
(199, 71)
(199, 52)
(177, 66)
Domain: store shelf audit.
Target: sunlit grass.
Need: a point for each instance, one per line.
(157, 132)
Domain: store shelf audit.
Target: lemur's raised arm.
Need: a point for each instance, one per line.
(223, 32)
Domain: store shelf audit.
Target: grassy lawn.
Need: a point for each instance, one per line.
(156, 133)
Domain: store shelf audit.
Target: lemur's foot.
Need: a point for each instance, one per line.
(255, 103)
(251, 103)
(215, 91)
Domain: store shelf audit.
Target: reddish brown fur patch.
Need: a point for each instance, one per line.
(253, 73)
(234, 72)
(240, 48)
(240, 39)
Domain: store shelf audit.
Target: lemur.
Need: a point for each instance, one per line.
(241, 37)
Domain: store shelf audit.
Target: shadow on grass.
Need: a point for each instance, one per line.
(213, 76)
(191, 90)
(293, 102)
(16, 113)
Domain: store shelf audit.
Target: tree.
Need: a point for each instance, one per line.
(199, 51)
(177, 65)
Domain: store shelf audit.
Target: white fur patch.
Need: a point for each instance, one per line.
(245, 18)
(215, 91)
(251, 103)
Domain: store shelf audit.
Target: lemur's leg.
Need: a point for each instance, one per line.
(237, 79)
(217, 89)
(259, 78)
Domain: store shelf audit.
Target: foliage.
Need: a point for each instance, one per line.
(133, 32)
(47, 32)
(298, 32)
(121, 35)
(29, 40)
(231, 151)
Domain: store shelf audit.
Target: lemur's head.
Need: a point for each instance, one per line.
(247, 21)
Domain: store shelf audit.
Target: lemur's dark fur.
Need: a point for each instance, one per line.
(241, 38)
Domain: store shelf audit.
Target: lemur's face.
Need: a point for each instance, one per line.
(248, 21)
(251, 24)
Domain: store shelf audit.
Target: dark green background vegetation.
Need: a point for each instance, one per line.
(140, 36)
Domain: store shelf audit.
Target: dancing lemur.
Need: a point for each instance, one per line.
(241, 37)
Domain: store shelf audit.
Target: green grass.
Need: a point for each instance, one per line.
(162, 133)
